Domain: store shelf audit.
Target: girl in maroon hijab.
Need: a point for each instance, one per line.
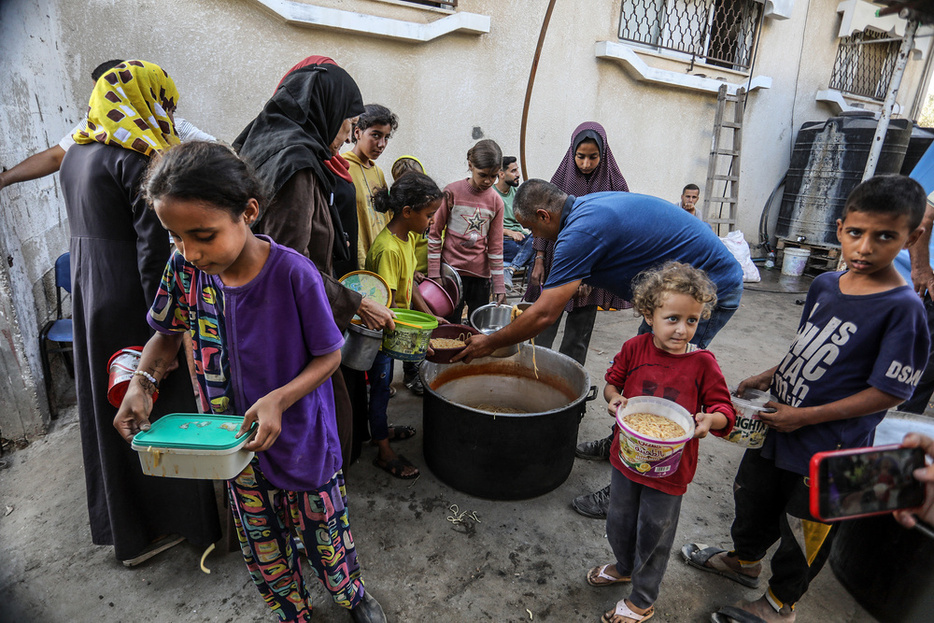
(588, 167)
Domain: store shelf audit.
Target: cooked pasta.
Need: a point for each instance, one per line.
(498, 409)
(653, 425)
(445, 342)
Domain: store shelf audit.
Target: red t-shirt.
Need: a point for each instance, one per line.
(693, 380)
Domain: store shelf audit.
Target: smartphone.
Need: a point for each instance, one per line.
(865, 481)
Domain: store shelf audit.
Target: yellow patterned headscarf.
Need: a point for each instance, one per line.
(129, 108)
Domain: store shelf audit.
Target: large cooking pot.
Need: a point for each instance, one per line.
(496, 455)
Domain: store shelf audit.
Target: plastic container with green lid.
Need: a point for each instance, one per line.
(409, 340)
(193, 445)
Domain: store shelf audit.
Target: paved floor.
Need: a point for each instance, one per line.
(522, 561)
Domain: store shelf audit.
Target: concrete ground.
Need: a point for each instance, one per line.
(522, 561)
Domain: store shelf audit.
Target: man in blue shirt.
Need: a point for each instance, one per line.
(604, 240)
(915, 265)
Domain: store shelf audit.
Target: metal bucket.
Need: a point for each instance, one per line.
(360, 347)
(504, 456)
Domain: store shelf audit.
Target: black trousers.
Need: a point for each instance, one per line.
(476, 294)
(772, 505)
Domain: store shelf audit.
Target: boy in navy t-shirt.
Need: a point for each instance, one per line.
(861, 347)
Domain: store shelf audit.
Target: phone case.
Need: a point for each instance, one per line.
(814, 472)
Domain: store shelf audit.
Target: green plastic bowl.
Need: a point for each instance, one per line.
(409, 343)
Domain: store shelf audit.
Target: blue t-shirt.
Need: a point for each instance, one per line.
(845, 344)
(923, 173)
(608, 238)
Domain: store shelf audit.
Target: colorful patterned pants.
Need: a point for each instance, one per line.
(266, 519)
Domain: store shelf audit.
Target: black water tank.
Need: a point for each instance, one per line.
(921, 139)
(826, 164)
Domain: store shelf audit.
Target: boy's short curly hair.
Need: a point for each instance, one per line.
(650, 287)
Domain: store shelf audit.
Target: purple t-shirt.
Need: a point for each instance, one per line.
(845, 344)
(608, 238)
(252, 339)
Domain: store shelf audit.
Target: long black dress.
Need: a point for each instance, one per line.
(118, 252)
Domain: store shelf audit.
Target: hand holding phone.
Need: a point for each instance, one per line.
(860, 482)
(925, 475)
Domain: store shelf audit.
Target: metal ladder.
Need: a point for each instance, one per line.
(724, 163)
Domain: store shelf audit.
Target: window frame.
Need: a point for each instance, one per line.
(660, 35)
(849, 77)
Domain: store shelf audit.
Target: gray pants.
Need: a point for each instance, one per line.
(578, 326)
(640, 526)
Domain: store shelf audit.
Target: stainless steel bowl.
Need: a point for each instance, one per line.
(451, 282)
(491, 318)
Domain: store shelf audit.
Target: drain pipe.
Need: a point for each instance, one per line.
(528, 89)
(883, 126)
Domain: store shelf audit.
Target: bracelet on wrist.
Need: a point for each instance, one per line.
(148, 377)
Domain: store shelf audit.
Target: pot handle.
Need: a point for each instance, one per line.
(592, 394)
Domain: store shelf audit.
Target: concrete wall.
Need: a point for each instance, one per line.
(37, 108)
(227, 56)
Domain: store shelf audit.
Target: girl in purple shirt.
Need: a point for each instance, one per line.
(265, 345)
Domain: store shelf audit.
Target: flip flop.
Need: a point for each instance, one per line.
(397, 433)
(396, 466)
(599, 577)
(732, 614)
(623, 610)
(698, 558)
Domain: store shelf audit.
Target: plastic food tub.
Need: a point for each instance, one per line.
(370, 285)
(749, 431)
(121, 367)
(409, 341)
(647, 455)
(436, 297)
(193, 445)
(450, 331)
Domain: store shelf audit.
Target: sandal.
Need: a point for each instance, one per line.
(397, 433)
(396, 467)
(732, 614)
(599, 577)
(759, 611)
(698, 558)
(623, 610)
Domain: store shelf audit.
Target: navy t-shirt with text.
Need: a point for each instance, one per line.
(845, 344)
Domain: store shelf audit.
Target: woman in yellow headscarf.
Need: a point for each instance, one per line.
(118, 252)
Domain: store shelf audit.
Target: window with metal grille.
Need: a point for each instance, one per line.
(438, 4)
(864, 64)
(716, 32)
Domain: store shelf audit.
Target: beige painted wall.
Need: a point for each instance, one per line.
(226, 57)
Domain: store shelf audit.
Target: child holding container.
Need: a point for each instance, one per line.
(468, 231)
(643, 510)
(861, 348)
(413, 200)
(402, 166)
(227, 287)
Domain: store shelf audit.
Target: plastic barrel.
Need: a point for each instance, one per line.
(921, 139)
(826, 165)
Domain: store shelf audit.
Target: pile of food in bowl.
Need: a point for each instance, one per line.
(448, 340)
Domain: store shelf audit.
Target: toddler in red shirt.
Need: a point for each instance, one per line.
(643, 513)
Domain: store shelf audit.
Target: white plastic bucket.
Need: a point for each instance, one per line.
(794, 261)
(650, 456)
(749, 431)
